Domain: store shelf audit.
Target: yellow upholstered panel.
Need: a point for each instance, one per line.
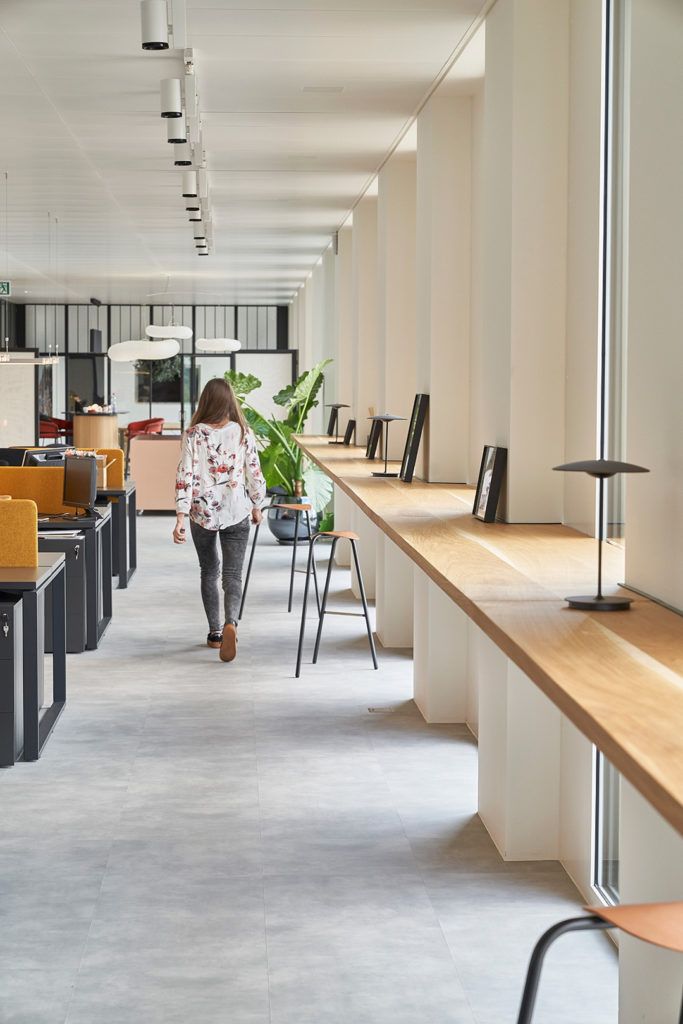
(18, 533)
(44, 485)
(115, 475)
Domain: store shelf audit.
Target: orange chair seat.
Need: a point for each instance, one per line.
(658, 923)
(295, 508)
(347, 534)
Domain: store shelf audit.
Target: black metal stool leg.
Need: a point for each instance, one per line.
(573, 924)
(315, 574)
(302, 630)
(293, 569)
(248, 576)
(324, 604)
(371, 640)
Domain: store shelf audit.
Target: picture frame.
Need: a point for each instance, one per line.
(373, 439)
(333, 422)
(350, 433)
(489, 483)
(415, 430)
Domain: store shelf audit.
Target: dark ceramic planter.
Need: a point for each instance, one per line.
(282, 523)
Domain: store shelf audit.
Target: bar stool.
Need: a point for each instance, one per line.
(660, 924)
(336, 536)
(298, 509)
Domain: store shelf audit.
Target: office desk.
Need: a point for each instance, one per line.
(124, 532)
(31, 584)
(98, 567)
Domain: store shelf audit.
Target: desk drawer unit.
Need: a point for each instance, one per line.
(11, 681)
(74, 553)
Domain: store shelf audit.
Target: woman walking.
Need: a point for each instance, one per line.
(220, 486)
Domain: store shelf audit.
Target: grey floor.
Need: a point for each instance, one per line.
(223, 844)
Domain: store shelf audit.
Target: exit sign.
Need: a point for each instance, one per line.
(5, 288)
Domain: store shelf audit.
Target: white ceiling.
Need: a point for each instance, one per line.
(94, 204)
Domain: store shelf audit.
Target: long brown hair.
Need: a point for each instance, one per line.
(217, 403)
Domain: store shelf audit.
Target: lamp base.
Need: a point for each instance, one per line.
(600, 604)
(385, 474)
(335, 442)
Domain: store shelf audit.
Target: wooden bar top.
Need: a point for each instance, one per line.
(617, 676)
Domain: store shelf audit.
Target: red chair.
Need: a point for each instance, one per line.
(55, 429)
(151, 426)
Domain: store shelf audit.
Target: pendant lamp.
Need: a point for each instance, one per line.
(218, 344)
(143, 349)
(171, 331)
(171, 98)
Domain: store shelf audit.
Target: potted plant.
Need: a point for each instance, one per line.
(290, 476)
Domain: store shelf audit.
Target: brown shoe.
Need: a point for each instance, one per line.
(229, 646)
(214, 639)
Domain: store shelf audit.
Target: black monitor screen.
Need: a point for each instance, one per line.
(80, 482)
(43, 458)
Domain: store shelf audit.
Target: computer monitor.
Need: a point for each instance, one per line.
(46, 458)
(80, 482)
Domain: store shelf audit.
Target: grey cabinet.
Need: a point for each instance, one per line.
(73, 549)
(11, 681)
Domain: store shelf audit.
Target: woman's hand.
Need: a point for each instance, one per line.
(179, 530)
(256, 516)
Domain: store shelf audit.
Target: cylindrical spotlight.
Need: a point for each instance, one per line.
(154, 17)
(195, 217)
(182, 154)
(176, 131)
(171, 98)
(189, 184)
(199, 235)
(192, 206)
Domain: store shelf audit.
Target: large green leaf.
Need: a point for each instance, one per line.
(317, 487)
(242, 383)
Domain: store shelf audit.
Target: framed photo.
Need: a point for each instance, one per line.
(350, 432)
(491, 473)
(333, 422)
(373, 439)
(417, 422)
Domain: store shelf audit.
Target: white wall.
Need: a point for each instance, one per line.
(364, 313)
(17, 405)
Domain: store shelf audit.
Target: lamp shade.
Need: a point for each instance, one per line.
(600, 468)
(189, 184)
(218, 345)
(176, 130)
(386, 417)
(171, 98)
(171, 331)
(182, 154)
(154, 18)
(195, 216)
(132, 351)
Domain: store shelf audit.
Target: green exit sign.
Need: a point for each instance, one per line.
(5, 288)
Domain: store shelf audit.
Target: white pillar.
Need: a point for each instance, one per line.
(650, 871)
(364, 313)
(343, 335)
(521, 385)
(443, 282)
(519, 759)
(440, 666)
(343, 520)
(393, 594)
(366, 547)
(396, 293)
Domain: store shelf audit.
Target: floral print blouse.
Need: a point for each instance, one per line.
(219, 477)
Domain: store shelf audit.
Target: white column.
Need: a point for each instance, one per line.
(396, 293)
(364, 313)
(393, 594)
(521, 386)
(519, 759)
(343, 336)
(366, 547)
(650, 871)
(343, 520)
(443, 281)
(440, 666)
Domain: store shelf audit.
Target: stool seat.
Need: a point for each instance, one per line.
(658, 923)
(294, 508)
(344, 534)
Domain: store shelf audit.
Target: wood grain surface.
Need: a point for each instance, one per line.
(618, 677)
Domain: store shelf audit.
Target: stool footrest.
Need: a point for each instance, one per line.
(354, 615)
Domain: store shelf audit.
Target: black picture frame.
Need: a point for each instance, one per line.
(489, 483)
(415, 429)
(350, 433)
(333, 422)
(374, 439)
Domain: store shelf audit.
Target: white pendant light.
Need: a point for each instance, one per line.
(182, 154)
(190, 185)
(132, 351)
(154, 16)
(176, 130)
(171, 331)
(171, 99)
(218, 345)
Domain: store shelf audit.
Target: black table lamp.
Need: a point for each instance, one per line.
(601, 469)
(386, 417)
(334, 418)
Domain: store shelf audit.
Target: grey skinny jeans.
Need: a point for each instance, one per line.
(234, 540)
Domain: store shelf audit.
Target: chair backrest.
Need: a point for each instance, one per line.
(155, 426)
